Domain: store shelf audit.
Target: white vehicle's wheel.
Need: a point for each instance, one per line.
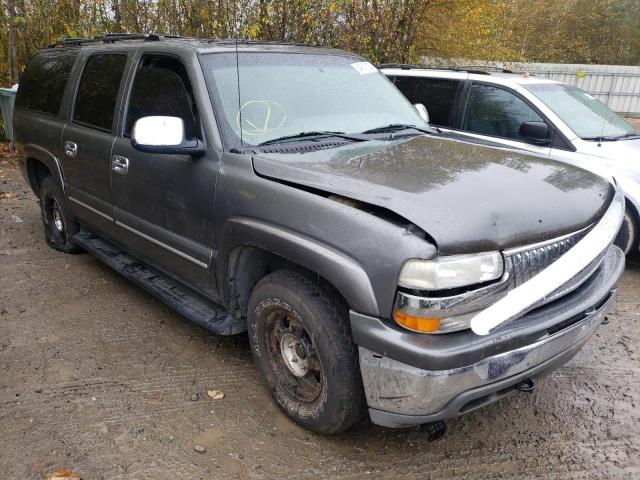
(627, 238)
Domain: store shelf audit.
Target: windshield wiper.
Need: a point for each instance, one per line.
(628, 136)
(397, 127)
(313, 136)
(600, 139)
(612, 138)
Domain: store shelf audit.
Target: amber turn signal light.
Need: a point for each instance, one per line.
(417, 324)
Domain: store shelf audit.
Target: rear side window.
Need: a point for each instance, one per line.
(42, 83)
(437, 95)
(496, 112)
(98, 90)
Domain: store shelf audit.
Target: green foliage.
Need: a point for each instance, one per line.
(596, 31)
(568, 31)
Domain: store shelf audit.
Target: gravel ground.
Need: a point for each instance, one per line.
(99, 378)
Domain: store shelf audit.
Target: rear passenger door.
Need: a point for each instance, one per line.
(88, 138)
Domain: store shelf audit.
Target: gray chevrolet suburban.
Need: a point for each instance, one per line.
(292, 192)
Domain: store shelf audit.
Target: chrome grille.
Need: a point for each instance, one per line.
(530, 261)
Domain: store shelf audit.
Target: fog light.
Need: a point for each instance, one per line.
(417, 324)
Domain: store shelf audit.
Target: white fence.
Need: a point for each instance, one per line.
(618, 86)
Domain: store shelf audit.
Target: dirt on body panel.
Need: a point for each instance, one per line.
(99, 379)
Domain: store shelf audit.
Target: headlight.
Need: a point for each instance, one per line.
(452, 271)
(443, 273)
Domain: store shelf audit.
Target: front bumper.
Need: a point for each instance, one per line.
(423, 378)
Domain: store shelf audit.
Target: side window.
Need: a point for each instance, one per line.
(42, 84)
(437, 95)
(162, 87)
(497, 112)
(98, 90)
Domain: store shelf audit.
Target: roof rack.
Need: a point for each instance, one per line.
(406, 66)
(110, 38)
(149, 37)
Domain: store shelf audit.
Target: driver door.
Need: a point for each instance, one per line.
(164, 203)
(495, 114)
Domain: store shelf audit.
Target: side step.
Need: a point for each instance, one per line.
(194, 307)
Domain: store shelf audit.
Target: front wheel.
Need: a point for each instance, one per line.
(302, 346)
(628, 235)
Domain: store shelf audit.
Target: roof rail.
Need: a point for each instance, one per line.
(403, 66)
(110, 38)
(119, 37)
(490, 68)
(71, 42)
(406, 66)
(255, 41)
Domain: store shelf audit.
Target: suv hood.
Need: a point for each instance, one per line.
(467, 197)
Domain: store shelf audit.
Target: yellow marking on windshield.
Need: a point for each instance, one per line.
(274, 116)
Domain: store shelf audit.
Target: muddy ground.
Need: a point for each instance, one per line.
(98, 377)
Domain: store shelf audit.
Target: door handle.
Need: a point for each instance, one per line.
(70, 149)
(120, 164)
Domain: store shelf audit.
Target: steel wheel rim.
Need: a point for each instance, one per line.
(56, 217)
(293, 357)
(54, 220)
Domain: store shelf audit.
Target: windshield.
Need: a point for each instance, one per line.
(586, 116)
(288, 94)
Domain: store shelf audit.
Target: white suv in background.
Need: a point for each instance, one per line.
(542, 116)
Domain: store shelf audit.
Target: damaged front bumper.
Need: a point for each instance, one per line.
(413, 379)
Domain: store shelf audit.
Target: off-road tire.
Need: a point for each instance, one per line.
(59, 222)
(627, 238)
(323, 315)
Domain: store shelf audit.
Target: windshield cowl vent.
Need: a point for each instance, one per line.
(301, 147)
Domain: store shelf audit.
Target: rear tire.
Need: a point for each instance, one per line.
(627, 238)
(60, 225)
(301, 343)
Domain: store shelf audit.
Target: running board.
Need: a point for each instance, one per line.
(187, 303)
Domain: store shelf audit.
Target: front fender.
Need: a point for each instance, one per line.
(631, 190)
(342, 271)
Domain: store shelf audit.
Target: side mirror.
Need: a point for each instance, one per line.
(422, 111)
(163, 135)
(537, 133)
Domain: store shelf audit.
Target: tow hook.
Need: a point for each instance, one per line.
(434, 430)
(525, 385)
(605, 321)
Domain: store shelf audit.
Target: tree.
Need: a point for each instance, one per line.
(12, 42)
(571, 31)
(585, 31)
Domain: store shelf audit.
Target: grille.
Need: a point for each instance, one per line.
(530, 262)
